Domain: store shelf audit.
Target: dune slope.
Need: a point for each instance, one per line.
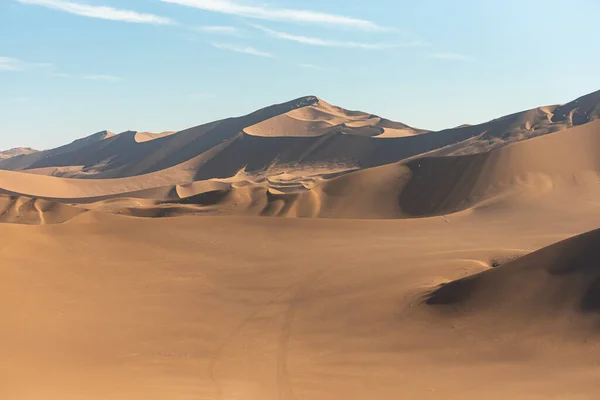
(559, 283)
(18, 151)
(561, 164)
(29, 211)
(303, 133)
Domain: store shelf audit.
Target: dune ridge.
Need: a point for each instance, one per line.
(555, 164)
(17, 151)
(302, 133)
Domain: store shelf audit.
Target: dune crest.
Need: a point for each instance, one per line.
(17, 151)
(303, 133)
(556, 166)
(319, 118)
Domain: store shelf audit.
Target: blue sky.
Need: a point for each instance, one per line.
(72, 68)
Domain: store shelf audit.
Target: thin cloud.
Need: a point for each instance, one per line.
(243, 49)
(451, 57)
(270, 13)
(15, 64)
(11, 64)
(313, 41)
(218, 30)
(104, 78)
(101, 12)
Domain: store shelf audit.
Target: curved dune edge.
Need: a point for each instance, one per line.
(141, 137)
(560, 282)
(31, 211)
(318, 118)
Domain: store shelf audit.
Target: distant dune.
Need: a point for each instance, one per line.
(319, 118)
(17, 151)
(549, 165)
(304, 133)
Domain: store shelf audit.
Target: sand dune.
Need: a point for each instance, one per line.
(558, 283)
(408, 264)
(581, 111)
(141, 137)
(29, 211)
(560, 164)
(18, 151)
(54, 156)
(320, 118)
(305, 132)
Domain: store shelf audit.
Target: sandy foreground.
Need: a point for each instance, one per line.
(114, 307)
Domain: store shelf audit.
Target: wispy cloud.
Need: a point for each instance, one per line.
(104, 78)
(11, 64)
(243, 49)
(451, 57)
(272, 13)
(218, 30)
(15, 64)
(101, 12)
(313, 41)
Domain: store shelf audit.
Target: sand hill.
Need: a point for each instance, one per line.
(564, 163)
(557, 283)
(459, 264)
(304, 133)
(17, 151)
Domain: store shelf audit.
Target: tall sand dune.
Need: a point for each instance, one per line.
(559, 164)
(305, 132)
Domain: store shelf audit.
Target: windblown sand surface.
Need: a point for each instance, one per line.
(462, 264)
(258, 308)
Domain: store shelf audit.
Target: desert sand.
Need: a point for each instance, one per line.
(460, 264)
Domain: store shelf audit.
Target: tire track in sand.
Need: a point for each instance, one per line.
(284, 381)
(293, 293)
